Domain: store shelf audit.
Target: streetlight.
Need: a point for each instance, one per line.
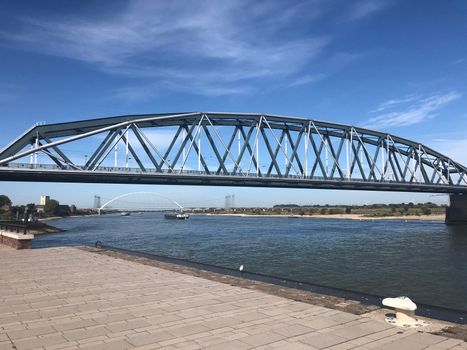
(128, 163)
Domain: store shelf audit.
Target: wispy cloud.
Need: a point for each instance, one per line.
(209, 47)
(204, 47)
(415, 110)
(365, 8)
(307, 79)
(392, 103)
(458, 61)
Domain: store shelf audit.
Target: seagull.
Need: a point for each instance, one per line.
(241, 268)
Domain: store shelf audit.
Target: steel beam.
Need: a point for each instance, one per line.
(9, 174)
(411, 163)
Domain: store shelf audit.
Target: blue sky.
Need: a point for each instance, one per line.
(398, 66)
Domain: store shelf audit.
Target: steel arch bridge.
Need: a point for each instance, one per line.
(175, 204)
(228, 149)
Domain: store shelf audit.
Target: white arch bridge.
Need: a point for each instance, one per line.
(168, 205)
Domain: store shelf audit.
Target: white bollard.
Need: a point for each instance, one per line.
(405, 311)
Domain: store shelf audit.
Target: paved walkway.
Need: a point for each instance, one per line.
(66, 298)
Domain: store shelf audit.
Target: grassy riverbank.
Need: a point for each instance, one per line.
(401, 211)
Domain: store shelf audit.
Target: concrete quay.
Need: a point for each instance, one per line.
(15, 240)
(68, 298)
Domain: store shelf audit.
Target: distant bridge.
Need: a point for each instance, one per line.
(228, 149)
(171, 203)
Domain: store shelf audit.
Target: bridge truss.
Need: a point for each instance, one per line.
(230, 149)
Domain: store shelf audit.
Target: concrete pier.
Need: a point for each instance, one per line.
(456, 213)
(68, 298)
(16, 240)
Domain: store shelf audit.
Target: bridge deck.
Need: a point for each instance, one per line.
(67, 298)
(50, 173)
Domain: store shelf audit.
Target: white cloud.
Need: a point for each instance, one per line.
(207, 47)
(365, 8)
(140, 92)
(307, 79)
(420, 110)
(391, 103)
(458, 61)
(199, 46)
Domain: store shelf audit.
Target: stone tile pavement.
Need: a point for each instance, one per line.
(67, 298)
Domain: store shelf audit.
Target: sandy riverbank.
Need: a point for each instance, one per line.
(50, 218)
(345, 216)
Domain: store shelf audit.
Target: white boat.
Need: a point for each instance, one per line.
(177, 216)
(124, 213)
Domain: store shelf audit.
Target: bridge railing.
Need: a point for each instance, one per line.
(50, 167)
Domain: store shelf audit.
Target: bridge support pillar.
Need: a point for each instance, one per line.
(456, 213)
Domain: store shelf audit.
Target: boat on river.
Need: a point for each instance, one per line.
(177, 216)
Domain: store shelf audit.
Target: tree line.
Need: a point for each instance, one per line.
(26, 212)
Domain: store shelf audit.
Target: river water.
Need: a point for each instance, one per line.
(426, 261)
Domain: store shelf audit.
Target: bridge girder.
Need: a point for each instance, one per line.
(232, 149)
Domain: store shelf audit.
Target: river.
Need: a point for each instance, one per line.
(426, 261)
